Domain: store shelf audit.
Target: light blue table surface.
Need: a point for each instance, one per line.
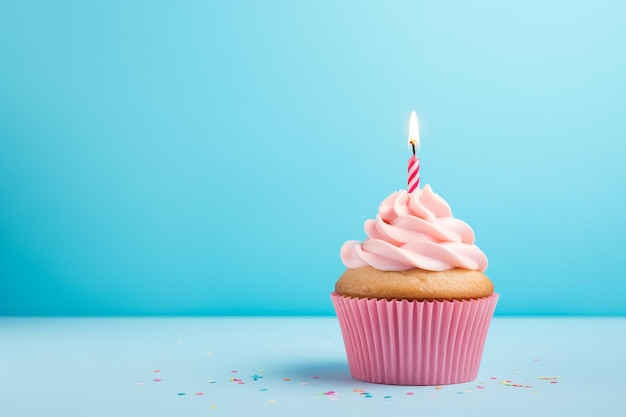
(294, 367)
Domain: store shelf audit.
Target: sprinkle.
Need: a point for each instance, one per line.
(140, 384)
(438, 387)
(263, 389)
(460, 392)
(234, 371)
(315, 377)
(387, 397)
(210, 381)
(181, 393)
(410, 393)
(360, 391)
(199, 393)
(157, 370)
(332, 395)
(261, 371)
(494, 377)
(304, 383)
(518, 372)
(549, 378)
(536, 360)
(256, 377)
(286, 379)
(271, 401)
(213, 406)
(534, 393)
(480, 387)
(157, 380)
(554, 382)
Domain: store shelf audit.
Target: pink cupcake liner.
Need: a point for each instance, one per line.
(404, 342)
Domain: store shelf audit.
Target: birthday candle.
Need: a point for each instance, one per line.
(414, 162)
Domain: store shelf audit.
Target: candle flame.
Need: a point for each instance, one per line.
(414, 130)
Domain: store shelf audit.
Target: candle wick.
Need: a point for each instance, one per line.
(413, 146)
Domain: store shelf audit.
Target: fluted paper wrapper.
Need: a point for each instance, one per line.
(404, 342)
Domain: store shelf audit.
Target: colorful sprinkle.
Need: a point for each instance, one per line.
(332, 395)
(410, 393)
(363, 393)
(509, 383)
(181, 393)
(263, 389)
(286, 379)
(213, 406)
(157, 380)
(199, 393)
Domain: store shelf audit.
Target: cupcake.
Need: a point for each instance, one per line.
(414, 305)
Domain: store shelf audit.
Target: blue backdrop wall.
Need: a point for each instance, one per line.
(208, 157)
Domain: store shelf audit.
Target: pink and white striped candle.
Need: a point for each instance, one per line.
(414, 173)
(414, 162)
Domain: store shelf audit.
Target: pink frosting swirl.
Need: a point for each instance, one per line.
(415, 230)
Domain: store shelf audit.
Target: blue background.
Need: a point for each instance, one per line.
(206, 157)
